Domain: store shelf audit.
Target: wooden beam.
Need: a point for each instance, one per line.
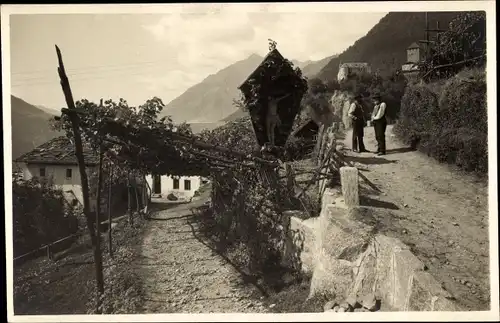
(68, 95)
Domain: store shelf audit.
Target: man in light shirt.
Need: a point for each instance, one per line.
(379, 123)
(357, 115)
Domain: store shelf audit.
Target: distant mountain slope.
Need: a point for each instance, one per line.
(235, 115)
(384, 46)
(212, 99)
(49, 111)
(30, 127)
(313, 68)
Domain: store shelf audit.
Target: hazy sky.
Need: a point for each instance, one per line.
(138, 56)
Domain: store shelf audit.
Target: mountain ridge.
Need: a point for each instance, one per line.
(384, 46)
(30, 126)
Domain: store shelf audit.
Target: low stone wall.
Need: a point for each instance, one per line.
(348, 259)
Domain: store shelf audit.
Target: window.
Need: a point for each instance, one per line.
(69, 173)
(42, 171)
(187, 185)
(176, 183)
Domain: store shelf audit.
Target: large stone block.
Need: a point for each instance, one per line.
(405, 264)
(331, 277)
(345, 239)
(300, 244)
(383, 246)
(365, 273)
(426, 294)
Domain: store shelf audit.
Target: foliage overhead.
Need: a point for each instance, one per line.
(134, 138)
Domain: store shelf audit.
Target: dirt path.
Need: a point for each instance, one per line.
(183, 275)
(441, 214)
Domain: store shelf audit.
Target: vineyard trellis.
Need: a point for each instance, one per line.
(248, 193)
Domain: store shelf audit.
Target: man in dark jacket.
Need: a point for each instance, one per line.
(357, 115)
(379, 123)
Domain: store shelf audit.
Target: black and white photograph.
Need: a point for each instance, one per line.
(250, 161)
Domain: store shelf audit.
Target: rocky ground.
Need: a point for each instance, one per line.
(440, 213)
(181, 273)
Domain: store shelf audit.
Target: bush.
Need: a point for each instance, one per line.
(418, 115)
(298, 148)
(454, 128)
(463, 147)
(246, 220)
(40, 215)
(463, 102)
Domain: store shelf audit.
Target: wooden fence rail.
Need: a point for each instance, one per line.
(47, 247)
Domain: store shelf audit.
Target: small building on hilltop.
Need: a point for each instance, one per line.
(348, 69)
(414, 56)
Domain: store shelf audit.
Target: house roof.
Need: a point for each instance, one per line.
(58, 151)
(272, 53)
(301, 125)
(414, 45)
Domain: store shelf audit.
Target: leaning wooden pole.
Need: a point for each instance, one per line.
(110, 244)
(129, 201)
(81, 165)
(98, 220)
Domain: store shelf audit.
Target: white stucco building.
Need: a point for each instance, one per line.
(182, 187)
(55, 161)
(347, 69)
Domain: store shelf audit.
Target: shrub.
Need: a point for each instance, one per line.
(463, 147)
(463, 101)
(454, 128)
(40, 215)
(298, 148)
(246, 219)
(418, 115)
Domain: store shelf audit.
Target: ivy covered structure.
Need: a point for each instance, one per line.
(275, 77)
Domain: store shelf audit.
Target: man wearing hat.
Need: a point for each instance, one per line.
(379, 122)
(357, 115)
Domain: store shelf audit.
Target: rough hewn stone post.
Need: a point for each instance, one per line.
(350, 185)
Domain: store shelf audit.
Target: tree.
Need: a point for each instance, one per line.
(462, 45)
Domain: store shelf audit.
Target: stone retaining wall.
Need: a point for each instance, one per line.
(348, 259)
